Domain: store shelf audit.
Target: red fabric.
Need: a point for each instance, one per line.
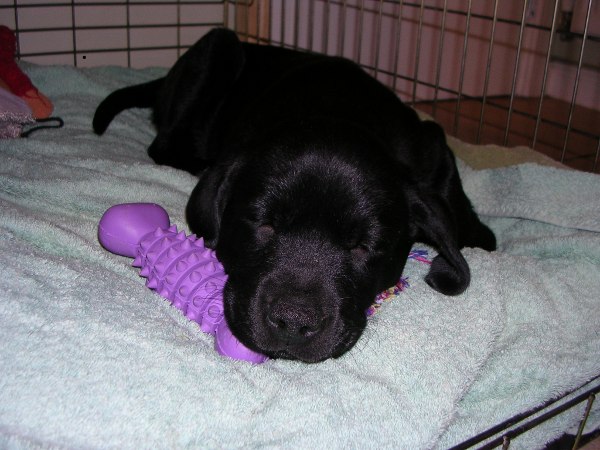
(10, 73)
(19, 83)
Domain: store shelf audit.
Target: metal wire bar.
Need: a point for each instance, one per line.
(586, 414)
(311, 23)
(16, 17)
(398, 27)
(487, 70)
(378, 38)
(515, 72)
(461, 12)
(235, 16)
(418, 52)
(597, 156)
(282, 22)
(128, 34)
(236, 2)
(360, 31)
(296, 24)
(439, 59)
(258, 16)
(325, 27)
(370, 34)
(462, 68)
(545, 74)
(121, 27)
(267, 26)
(110, 50)
(576, 86)
(493, 431)
(74, 33)
(111, 3)
(576, 35)
(128, 48)
(489, 101)
(247, 25)
(342, 29)
(511, 434)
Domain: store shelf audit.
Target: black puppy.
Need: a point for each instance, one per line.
(315, 181)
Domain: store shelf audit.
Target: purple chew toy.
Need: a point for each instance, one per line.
(179, 267)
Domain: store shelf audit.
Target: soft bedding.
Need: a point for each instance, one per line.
(91, 358)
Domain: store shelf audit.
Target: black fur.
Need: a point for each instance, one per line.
(314, 183)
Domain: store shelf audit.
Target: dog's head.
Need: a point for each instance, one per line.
(309, 230)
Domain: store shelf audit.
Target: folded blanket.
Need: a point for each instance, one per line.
(92, 358)
(14, 114)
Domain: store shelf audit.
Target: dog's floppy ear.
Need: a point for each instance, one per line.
(190, 98)
(208, 200)
(440, 213)
(432, 222)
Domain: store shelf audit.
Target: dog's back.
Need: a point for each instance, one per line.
(222, 93)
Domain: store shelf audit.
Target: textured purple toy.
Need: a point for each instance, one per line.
(179, 267)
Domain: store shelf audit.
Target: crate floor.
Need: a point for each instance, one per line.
(582, 146)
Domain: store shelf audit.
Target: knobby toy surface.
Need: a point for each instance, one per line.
(178, 267)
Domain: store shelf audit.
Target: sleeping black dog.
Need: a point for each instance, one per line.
(314, 182)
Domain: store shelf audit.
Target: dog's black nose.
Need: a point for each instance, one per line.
(294, 323)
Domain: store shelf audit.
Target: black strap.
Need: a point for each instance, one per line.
(50, 122)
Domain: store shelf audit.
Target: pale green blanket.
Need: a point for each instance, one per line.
(90, 358)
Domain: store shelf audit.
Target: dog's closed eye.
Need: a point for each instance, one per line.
(264, 232)
(357, 246)
(359, 251)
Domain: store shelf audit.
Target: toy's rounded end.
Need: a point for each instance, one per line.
(123, 226)
(226, 344)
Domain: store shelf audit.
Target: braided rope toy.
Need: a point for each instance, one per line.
(387, 295)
